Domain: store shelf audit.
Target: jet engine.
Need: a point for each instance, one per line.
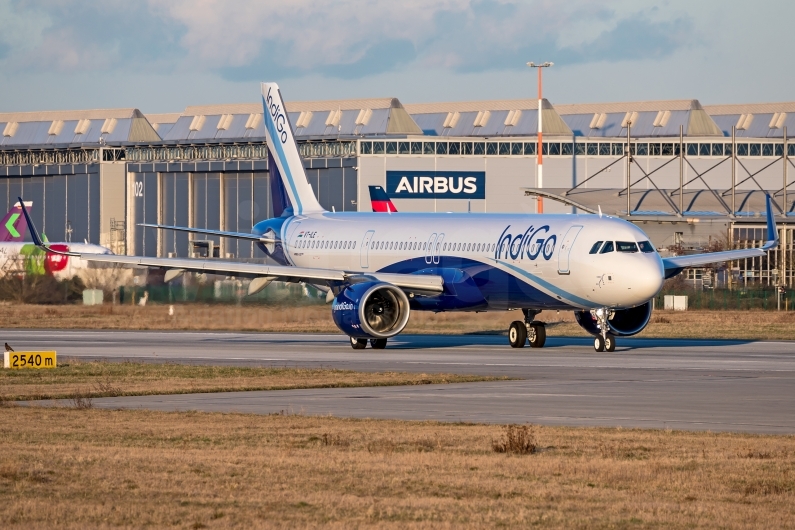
(624, 322)
(371, 310)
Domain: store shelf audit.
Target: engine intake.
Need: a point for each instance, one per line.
(625, 322)
(371, 310)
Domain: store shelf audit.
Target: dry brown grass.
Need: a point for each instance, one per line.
(317, 319)
(80, 381)
(71, 468)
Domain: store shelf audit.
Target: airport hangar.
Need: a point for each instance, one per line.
(698, 173)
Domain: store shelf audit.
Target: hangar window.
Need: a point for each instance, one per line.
(717, 149)
(791, 150)
(579, 149)
(727, 149)
(403, 148)
(429, 148)
(667, 149)
(416, 148)
(595, 247)
(755, 150)
(742, 149)
(391, 148)
(607, 248)
(767, 149)
(441, 148)
(455, 148)
(367, 148)
(626, 246)
(378, 148)
(779, 150)
(654, 149)
(480, 148)
(491, 148)
(618, 149)
(566, 149)
(692, 149)
(593, 149)
(554, 148)
(530, 148)
(466, 148)
(516, 149)
(505, 148)
(704, 150)
(604, 149)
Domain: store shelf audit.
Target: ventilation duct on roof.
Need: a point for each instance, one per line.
(253, 120)
(598, 120)
(364, 117)
(109, 126)
(196, 123)
(630, 119)
(482, 118)
(55, 128)
(778, 119)
(82, 126)
(333, 119)
(451, 120)
(744, 122)
(10, 129)
(661, 120)
(513, 118)
(225, 122)
(303, 119)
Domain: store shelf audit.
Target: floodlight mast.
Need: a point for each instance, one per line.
(539, 149)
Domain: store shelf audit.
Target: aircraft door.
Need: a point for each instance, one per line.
(364, 250)
(429, 250)
(565, 249)
(437, 248)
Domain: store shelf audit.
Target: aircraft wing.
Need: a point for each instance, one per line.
(675, 265)
(236, 235)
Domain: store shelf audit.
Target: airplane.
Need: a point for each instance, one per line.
(16, 255)
(377, 269)
(380, 201)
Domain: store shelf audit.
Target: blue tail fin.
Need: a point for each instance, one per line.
(279, 197)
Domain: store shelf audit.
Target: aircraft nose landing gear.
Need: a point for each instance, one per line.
(605, 341)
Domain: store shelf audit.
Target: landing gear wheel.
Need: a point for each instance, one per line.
(358, 344)
(378, 344)
(599, 343)
(610, 343)
(537, 336)
(517, 334)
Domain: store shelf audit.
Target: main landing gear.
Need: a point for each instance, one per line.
(605, 341)
(530, 331)
(360, 344)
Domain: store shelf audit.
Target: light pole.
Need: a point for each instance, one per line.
(539, 149)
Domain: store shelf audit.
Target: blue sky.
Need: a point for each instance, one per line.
(162, 56)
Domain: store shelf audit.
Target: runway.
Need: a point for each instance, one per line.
(679, 384)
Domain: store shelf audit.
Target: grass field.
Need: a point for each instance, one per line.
(75, 378)
(760, 325)
(71, 468)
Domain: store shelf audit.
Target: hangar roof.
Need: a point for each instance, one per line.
(755, 120)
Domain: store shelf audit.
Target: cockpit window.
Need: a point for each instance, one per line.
(646, 247)
(626, 246)
(595, 247)
(607, 248)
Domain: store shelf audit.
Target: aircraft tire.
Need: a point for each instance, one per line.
(517, 334)
(378, 344)
(358, 344)
(610, 342)
(539, 337)
(599, 343)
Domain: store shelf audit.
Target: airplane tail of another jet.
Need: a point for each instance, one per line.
(284, 151)
(380, 200)
(13, 226)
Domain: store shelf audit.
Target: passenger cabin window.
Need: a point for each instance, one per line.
(595, 247)
(646, 247)
(626, 246)
(607, 248)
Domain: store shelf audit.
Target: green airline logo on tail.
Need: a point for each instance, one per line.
(12, 220)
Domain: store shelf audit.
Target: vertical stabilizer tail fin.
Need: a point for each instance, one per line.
(13, 226)
(380, 201)
(281, 143)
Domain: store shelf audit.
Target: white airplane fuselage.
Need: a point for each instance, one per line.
(536, 261)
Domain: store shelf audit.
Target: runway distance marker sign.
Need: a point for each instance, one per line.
(17, 360)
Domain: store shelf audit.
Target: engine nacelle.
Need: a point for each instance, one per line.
(625, 322)
(371, 310)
